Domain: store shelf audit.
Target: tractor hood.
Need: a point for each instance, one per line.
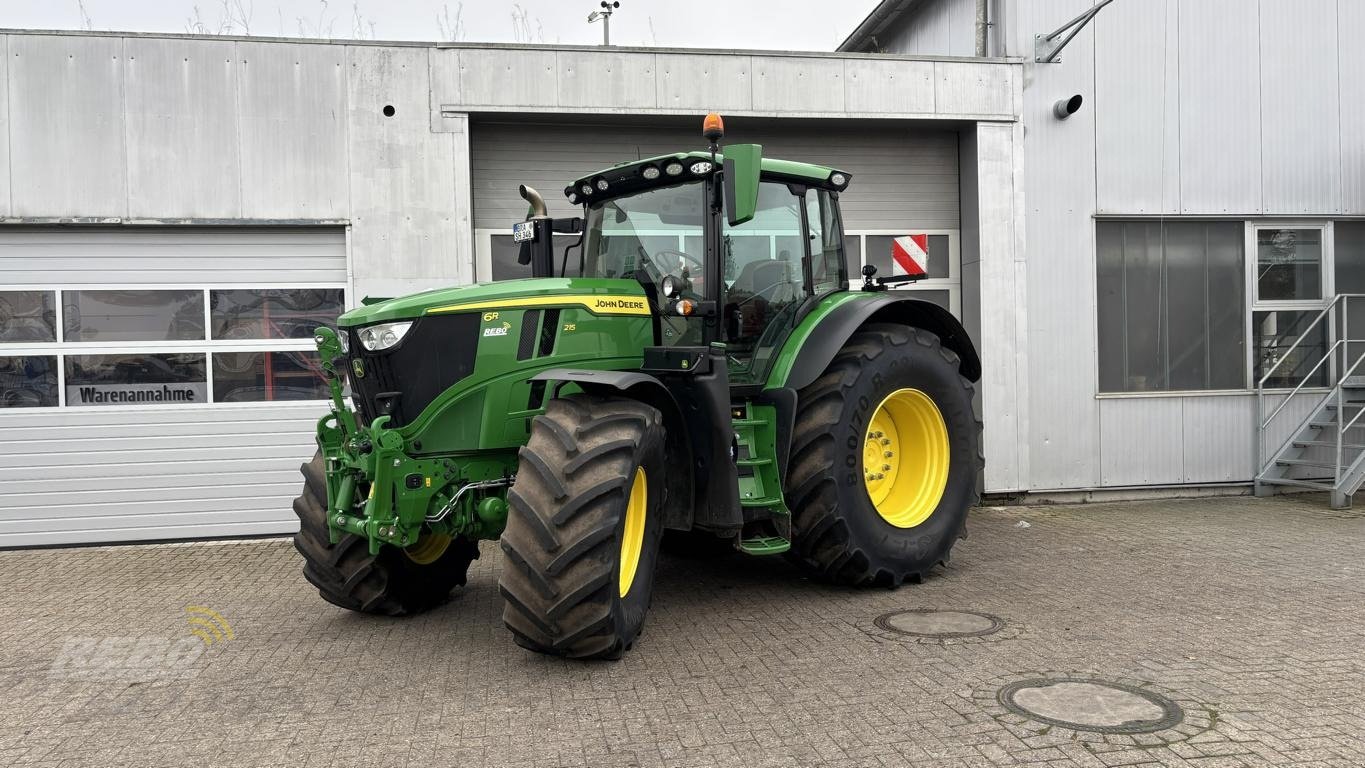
(600, 296)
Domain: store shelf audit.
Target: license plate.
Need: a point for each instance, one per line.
(523, 232)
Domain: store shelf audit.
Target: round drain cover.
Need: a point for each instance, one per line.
(928, 622)
(1091, 705)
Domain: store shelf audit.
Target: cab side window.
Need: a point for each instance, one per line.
(763, 277)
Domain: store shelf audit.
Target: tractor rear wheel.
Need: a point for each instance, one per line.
(583, 527)
(395, 582)
(885, 455)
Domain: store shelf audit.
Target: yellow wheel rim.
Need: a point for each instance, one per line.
(633, 536)
(428, 548)
(905, 458)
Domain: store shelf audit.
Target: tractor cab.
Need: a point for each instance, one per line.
(730, 248)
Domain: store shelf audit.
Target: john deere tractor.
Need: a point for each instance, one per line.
(695, 361)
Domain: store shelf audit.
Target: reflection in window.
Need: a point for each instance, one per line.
(122, 379)
(826, 241)
(136, 315)
(1288, 348)
(28, 381)
(765, 280)
(272, 313)
(1170, 305)
(240, 377)
(1288, 264)
(28, 316)
(853, 258)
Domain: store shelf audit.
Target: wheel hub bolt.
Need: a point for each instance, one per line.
(886, 442)
(886, 467)
(888, 454)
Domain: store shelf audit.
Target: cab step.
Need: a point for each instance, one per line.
(763, 545)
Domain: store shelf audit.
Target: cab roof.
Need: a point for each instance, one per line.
(627, 178)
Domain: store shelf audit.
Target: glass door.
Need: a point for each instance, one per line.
(1291, 282)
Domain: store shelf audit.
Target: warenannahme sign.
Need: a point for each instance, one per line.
(124, 394)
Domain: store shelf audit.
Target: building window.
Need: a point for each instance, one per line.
(28, 381)
(1171, 306)
(1288, 264)
(943, 286)
(162, 346)
(136, 315)
(27, 316)
(499, 257)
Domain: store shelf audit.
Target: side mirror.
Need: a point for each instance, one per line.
(740, 183)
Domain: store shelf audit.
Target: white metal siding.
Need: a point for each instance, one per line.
(1137, 108)
(1351, 82)
(900, 176)
(1059, 168)
(936, 28)
(1220, 107)
(1301, 172)
(71, 475)
(89, 257)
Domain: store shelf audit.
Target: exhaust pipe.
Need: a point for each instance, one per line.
(530, 195)
(1065, 108)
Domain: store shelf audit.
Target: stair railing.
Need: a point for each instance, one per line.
(1338, 372)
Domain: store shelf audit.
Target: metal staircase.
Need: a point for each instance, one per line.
(1325, 450)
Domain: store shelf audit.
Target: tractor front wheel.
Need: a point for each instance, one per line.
(885, 455)
(395, 582)
(583, 527)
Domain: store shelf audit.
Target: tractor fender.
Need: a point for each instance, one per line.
(649, 390)
(836, 328)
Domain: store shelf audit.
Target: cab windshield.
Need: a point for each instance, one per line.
(647, 236)
(790, 251)
(657, 232)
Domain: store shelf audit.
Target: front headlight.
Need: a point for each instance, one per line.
(344, 339)
(377, 338)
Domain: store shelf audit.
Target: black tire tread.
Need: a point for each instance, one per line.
(558, 581)
(823, 545)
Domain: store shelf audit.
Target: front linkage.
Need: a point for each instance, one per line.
(455, 496)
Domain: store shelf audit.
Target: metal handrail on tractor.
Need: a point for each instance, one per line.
(1346, 369)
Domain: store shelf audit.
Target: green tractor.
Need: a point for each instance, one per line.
(695, 361)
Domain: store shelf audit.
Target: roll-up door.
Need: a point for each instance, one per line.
(159, 382)
(905, 180)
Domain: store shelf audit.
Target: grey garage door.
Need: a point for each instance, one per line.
(902, 176)
(159, 382)
(905, 181)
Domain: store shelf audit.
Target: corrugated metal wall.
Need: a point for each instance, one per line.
(113, 473)
(901, 175)
(1224, 107)
(1192, 107)
(935, 28)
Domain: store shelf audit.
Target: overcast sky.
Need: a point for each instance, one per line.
(817, 25)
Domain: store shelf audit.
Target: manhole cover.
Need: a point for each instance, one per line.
(1091, 705)
(928, 622)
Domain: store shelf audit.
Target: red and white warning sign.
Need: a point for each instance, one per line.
(910, 255)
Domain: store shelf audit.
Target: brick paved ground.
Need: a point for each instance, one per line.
(1250, 612)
